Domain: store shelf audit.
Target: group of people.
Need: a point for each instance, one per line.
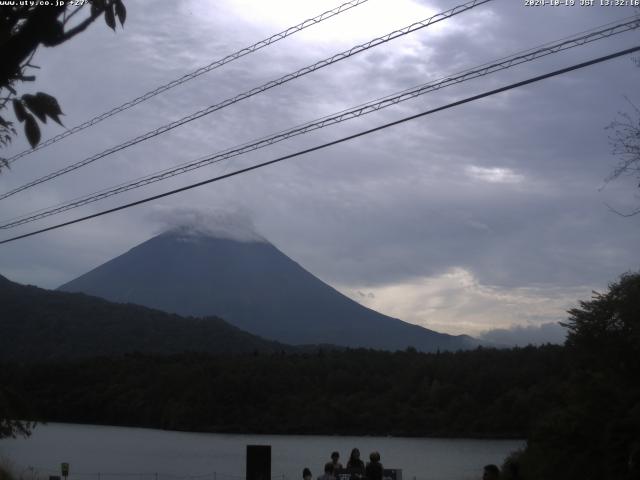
(373, 470)
(355, 468)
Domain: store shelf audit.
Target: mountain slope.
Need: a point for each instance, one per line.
(38, 324)
(252, 285)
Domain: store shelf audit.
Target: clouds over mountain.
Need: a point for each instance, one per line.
(504, 189)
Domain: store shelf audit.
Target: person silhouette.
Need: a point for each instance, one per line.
(355, 465)
(328, 472)
(374, 468)
(306, 474)
(335, 461)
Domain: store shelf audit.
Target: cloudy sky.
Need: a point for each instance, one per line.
(489, 216)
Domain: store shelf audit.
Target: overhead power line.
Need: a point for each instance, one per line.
(593, 35)
(196, 73)
(334, 142)
(254, 91)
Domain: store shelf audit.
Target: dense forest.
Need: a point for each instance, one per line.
(479, 393)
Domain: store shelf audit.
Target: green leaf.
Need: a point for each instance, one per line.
(35, 105)
(32, 130)
(121, 11)
(51, 104)
(109, 17)
(18, 108)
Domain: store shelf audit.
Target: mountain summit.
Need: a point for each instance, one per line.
(251, 284)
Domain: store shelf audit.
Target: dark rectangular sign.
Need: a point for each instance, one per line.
(258, 462)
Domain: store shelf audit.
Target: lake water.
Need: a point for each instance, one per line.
(117, 453)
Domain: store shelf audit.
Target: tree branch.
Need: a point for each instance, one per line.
(22, 44)
(82, 26)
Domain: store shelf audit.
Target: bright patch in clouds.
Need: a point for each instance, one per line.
(456, 302)
(494, 175)
(371, 19)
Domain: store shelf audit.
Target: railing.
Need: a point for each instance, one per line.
(43, 473)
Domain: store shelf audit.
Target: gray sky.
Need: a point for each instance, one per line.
(488, 216)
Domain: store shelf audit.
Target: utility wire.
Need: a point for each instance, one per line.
(274, 83)
(190, 76)
(334, 142)
(364, 109)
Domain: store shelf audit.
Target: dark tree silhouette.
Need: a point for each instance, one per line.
(593, 432)
(24, 28)
(606, 329)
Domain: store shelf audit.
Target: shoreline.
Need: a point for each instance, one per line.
(290, 434)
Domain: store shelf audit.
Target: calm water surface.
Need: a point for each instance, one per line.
(117, 453)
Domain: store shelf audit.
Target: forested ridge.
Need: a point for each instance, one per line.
(38, 325)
